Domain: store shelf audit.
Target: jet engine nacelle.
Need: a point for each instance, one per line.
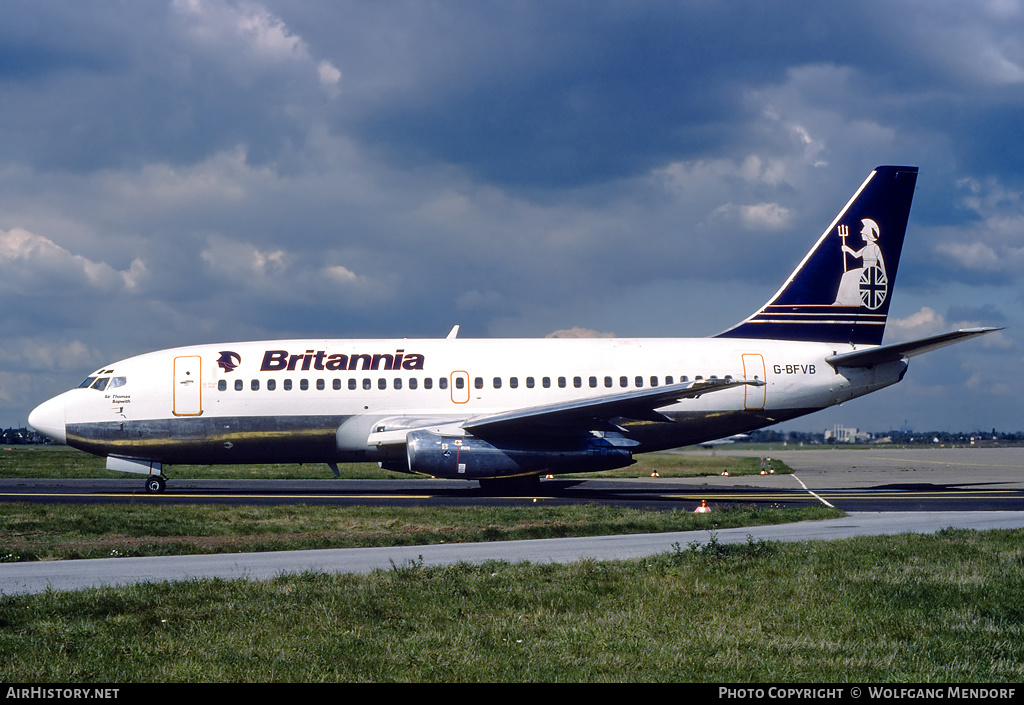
(471, 458)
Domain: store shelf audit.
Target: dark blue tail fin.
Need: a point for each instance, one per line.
(840, 293)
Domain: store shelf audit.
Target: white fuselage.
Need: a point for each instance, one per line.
(322, 400)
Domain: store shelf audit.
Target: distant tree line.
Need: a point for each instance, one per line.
(901, 437)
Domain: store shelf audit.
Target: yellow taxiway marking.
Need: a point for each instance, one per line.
(169, 495)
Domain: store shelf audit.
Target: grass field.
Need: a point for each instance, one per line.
(52, 532)
(947, 608)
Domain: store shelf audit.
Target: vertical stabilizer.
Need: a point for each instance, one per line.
(840, 292)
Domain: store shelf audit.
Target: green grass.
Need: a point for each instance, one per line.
(52, 532)
(947, 607)
(64, 462)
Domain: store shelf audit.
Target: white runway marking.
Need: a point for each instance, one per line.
(813, 493)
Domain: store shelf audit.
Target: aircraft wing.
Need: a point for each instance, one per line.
(598, 413)
(898, 351)
(570, 417)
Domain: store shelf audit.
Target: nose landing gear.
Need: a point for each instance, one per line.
(156, 484)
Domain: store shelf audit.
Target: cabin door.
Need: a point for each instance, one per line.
(753, 368)
(188, 394)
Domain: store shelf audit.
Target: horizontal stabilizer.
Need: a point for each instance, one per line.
(898, 351)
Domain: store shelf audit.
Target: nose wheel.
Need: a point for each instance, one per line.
(156, 484)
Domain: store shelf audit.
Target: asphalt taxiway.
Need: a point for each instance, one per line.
(883, 491)
(889, 480)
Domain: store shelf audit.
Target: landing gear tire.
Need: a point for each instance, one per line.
(156, 484)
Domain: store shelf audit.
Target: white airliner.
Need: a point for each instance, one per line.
(492, 410)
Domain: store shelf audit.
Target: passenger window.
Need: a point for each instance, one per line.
(623, 381)
(367, 384)
(287, 385)
(303, 384)
(255, 385)
(337, 384)
(497, 382)
(460, 382)
(577, 382)
(382, 383)
(271, 385)
(654, 381)
(608, 381)
(442, 383)
(561, 381)
(320, 384)
(412, 383)
(478, 382)
(428, 383)
(668, 379)
(639, 381)
(238, 385)
(529, 382)
(352, 383)
(222, 385)
(513, 382)
(398, 382)
(593, 381)
(546, 382)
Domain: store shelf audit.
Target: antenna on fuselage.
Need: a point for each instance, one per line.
(454, 333)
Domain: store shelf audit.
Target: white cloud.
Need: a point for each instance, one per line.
(927, 321)
(241, 260)
(215, 23)
(330, 76)
(764, 216)
(995, 242)
(248, 39)
(27, 260)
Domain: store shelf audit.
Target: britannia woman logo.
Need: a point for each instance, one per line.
(866, 285)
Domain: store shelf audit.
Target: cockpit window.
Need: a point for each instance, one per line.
(103, 383)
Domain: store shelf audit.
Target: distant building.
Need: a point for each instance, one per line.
(841, 434)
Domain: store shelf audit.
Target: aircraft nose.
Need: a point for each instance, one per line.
(48, 419)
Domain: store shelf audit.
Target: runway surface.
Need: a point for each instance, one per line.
(851, 480)
(884, 492)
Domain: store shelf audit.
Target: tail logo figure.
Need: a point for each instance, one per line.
(866, 285)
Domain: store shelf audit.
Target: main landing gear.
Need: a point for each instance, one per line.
(155, 484)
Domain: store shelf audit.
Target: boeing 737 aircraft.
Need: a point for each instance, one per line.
(491, 410)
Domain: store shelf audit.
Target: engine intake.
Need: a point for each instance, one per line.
(471, 458)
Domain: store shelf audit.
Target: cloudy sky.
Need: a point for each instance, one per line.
(187, 171)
